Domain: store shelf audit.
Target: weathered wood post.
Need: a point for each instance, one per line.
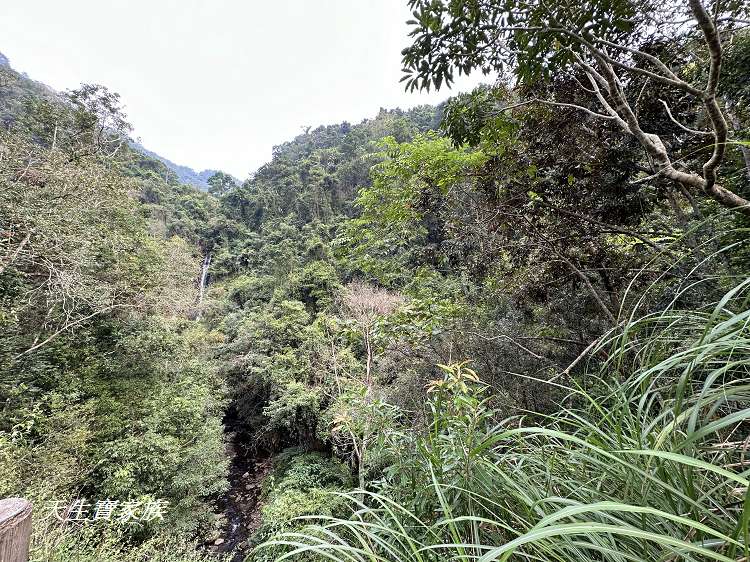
(15, 530)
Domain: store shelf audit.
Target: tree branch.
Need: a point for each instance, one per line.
(680, 125)
(17, 251)
(611, 227)
(69, 326)
(556, 104)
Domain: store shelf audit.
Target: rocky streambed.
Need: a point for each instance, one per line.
(240, 506)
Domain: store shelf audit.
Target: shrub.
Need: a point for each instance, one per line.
(645, 461)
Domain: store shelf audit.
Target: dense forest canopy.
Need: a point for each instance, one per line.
(514, 326)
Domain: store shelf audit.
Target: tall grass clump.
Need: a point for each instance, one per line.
(647, 459)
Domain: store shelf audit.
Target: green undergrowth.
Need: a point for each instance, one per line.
(645, 460)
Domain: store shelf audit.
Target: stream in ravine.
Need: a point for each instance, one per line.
(239, 507)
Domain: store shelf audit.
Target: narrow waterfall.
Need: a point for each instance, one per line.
(202, 284)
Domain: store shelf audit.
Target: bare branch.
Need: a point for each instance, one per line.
(651, 58)
(711, 36)
(507, 338)
(578, 359)
(680, 125)
(70, 325)
(610, 227)
(16, 253)
(556, 104)
(606, 104)
(713, 43)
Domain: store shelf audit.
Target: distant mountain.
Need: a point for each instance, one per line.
(15, 89)
(184, 173)
(11, 102)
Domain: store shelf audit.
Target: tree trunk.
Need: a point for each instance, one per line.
(737, 126)
(15, 530)
(368, 346)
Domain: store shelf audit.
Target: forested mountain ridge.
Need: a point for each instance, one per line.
(107, 244)
(184, 174)
(105, 390)
(26, 90)
(507, 327)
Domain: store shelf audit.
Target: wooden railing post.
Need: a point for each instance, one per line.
(15, 530)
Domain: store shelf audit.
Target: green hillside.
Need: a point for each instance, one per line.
(511, 327)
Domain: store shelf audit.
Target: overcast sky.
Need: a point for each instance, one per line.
(216, 84)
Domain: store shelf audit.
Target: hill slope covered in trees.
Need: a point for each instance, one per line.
(514, 326)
